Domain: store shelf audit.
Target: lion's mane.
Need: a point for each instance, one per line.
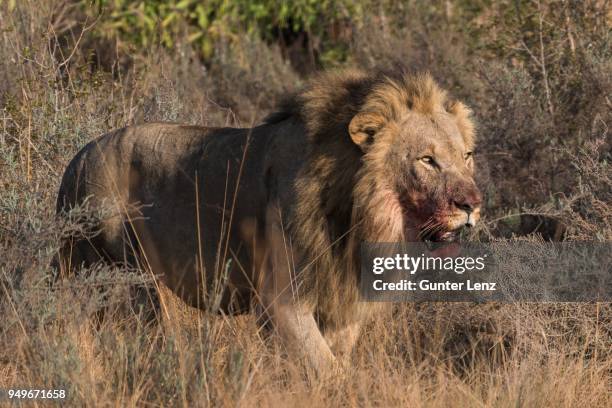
(341, 201)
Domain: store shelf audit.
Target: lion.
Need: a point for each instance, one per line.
(271, 218)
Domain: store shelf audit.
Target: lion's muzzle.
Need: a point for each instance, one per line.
(465, 203)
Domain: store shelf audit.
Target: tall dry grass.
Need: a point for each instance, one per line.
(545, 150)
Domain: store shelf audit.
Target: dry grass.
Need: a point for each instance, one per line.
(535, 159)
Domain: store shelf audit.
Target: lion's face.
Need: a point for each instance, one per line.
(425, 174)
(434, 170)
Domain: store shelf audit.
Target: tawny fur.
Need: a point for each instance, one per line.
(282, 208)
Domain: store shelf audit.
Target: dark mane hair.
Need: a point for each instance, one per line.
(330, 100)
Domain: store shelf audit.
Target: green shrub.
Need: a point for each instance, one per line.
(202, 23)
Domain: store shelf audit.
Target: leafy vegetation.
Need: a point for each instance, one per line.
(202, 23)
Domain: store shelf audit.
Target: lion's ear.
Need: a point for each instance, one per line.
(363, 128)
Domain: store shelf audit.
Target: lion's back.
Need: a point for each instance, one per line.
(126, 157)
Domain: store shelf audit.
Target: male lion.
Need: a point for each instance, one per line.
(273, 216)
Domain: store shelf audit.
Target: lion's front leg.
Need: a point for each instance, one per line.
(300, 334)
(343, 340)
(291, 318)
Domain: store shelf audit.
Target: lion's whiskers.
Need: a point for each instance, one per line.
(429, 227)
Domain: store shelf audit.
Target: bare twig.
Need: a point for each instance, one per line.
(543, 61)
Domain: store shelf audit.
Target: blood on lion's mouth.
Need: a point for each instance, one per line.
(441, 236)
(443, 243)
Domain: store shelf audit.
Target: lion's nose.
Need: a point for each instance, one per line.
(468, 203)
(469, 206)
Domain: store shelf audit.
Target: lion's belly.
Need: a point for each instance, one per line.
(196, 261)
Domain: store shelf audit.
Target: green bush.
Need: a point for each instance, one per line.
(202, 23)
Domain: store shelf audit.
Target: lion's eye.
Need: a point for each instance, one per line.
(468, 156)
(429, 161)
